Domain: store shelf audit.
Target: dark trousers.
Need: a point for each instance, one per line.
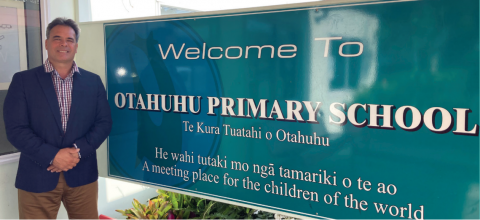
(80, 202)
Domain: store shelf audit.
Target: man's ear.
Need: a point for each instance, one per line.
(46, 44)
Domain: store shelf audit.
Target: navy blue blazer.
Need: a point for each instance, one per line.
(32, 120)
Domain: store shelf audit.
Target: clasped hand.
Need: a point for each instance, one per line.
(66, 159)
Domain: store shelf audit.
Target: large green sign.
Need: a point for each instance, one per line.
(365, 110)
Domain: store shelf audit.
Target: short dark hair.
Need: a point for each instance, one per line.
(66, 22)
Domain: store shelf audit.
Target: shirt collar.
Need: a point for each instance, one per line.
(49, 67)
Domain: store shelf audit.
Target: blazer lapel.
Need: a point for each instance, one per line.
(77, 96)
(47, 86)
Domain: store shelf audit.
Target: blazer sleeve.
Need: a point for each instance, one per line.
(102, 126)
(18, 129)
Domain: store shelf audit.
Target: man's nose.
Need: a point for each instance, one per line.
(63, 42)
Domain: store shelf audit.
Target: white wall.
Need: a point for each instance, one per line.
(61, 8)
(8, 193)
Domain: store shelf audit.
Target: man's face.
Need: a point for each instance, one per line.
(61, 44)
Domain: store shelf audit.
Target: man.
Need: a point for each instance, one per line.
(57, 115)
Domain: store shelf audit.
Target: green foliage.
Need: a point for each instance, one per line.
(156, 209)
(182, 205)
(188, 207)
(265, 215)
(217, 210)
